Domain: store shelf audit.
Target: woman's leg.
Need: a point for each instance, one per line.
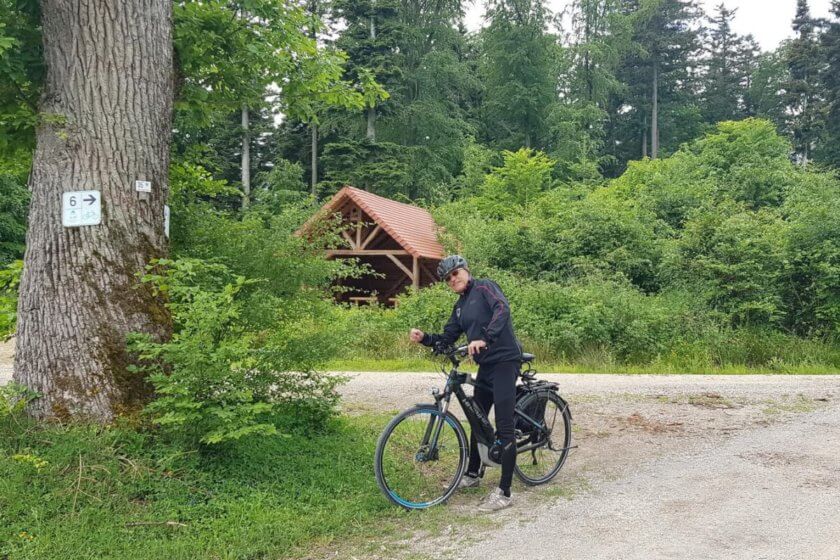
(504, 401)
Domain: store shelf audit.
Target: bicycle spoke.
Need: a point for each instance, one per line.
(415, 473)
(548, 447)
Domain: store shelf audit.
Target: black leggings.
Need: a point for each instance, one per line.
(502, 378)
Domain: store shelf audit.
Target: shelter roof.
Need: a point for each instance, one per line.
(410, 226)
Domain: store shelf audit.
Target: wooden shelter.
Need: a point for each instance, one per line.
(398, 241)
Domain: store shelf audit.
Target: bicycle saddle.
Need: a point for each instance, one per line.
(526, 357)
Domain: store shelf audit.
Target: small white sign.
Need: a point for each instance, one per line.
(81, 208)
(143, 186)
(166, 220)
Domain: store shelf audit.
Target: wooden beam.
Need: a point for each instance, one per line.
(370, 237)
(359, 234)
(349, 239)
(366, 253)
(415, 277)
(432, 275)
(402, 266)
(393, 290)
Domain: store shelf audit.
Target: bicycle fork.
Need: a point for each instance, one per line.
(434, 428)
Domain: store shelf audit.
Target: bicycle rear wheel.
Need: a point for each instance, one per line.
(420, 457)
(543, 453)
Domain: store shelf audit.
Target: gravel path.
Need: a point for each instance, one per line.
(7, 356)
(682, 467)
(770, 493)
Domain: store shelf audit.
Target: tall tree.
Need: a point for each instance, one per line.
(371, 41)
(805, 98)
(252, 57)
(109, 92)
(422, 128)
(597, 42)
(830, 152)
(765, 93)
(659, 109)
(731, 59)
(520, 73)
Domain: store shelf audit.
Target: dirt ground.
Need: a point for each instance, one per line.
(666, 467)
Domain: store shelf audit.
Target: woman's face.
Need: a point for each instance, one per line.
(458, 279)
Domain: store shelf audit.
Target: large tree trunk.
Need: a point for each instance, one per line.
(108, 92)
(246, 159)
(654, 118)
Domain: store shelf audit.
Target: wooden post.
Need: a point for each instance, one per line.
(415, 279)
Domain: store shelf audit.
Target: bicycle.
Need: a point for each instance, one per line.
(422, 453)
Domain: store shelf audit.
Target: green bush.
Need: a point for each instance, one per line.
(14, 208)
(736, 260)
(9, 282)
(812, 257)
(227, 370)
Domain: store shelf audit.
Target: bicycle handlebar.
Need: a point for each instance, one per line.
(451, 352)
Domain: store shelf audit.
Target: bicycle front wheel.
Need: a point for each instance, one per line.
(542, 453)
(420, 457)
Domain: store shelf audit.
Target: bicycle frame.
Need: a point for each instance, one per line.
(478, 420)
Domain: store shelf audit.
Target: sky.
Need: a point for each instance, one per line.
(769, 21)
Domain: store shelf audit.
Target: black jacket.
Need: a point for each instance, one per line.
(483, 313)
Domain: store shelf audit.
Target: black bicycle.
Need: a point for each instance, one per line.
(423, 452)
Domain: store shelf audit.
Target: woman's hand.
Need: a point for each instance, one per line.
(416, 335)
(476, 346)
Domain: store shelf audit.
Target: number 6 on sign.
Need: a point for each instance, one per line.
(81, 208)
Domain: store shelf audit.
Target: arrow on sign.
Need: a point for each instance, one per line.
(90, 199)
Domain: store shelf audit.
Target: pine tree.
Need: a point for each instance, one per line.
(805, 98)
(598, 40)
(731, 60)
(519, 73)
(830, 80)
(659, 110)
(372, 43)
(764, 96)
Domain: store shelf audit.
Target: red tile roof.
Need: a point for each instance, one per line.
(411, 226)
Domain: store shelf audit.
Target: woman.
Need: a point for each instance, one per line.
(483, 314)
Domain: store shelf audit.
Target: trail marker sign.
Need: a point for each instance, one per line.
(81, 208)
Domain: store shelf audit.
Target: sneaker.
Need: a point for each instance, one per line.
(495, 501)
(468, 481)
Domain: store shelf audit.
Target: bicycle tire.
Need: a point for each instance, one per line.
(391, 472)
(560, 440)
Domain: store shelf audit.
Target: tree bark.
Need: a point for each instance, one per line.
(654, 118)
(108, 93)
(246, 159)
(313, 128)
(371, 111)
(314, 183)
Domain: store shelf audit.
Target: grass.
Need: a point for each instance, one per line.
(87, 492)
(413, 364)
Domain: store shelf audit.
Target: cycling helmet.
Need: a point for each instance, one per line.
(449, 264)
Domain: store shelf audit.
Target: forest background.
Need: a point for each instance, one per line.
(649, 188)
